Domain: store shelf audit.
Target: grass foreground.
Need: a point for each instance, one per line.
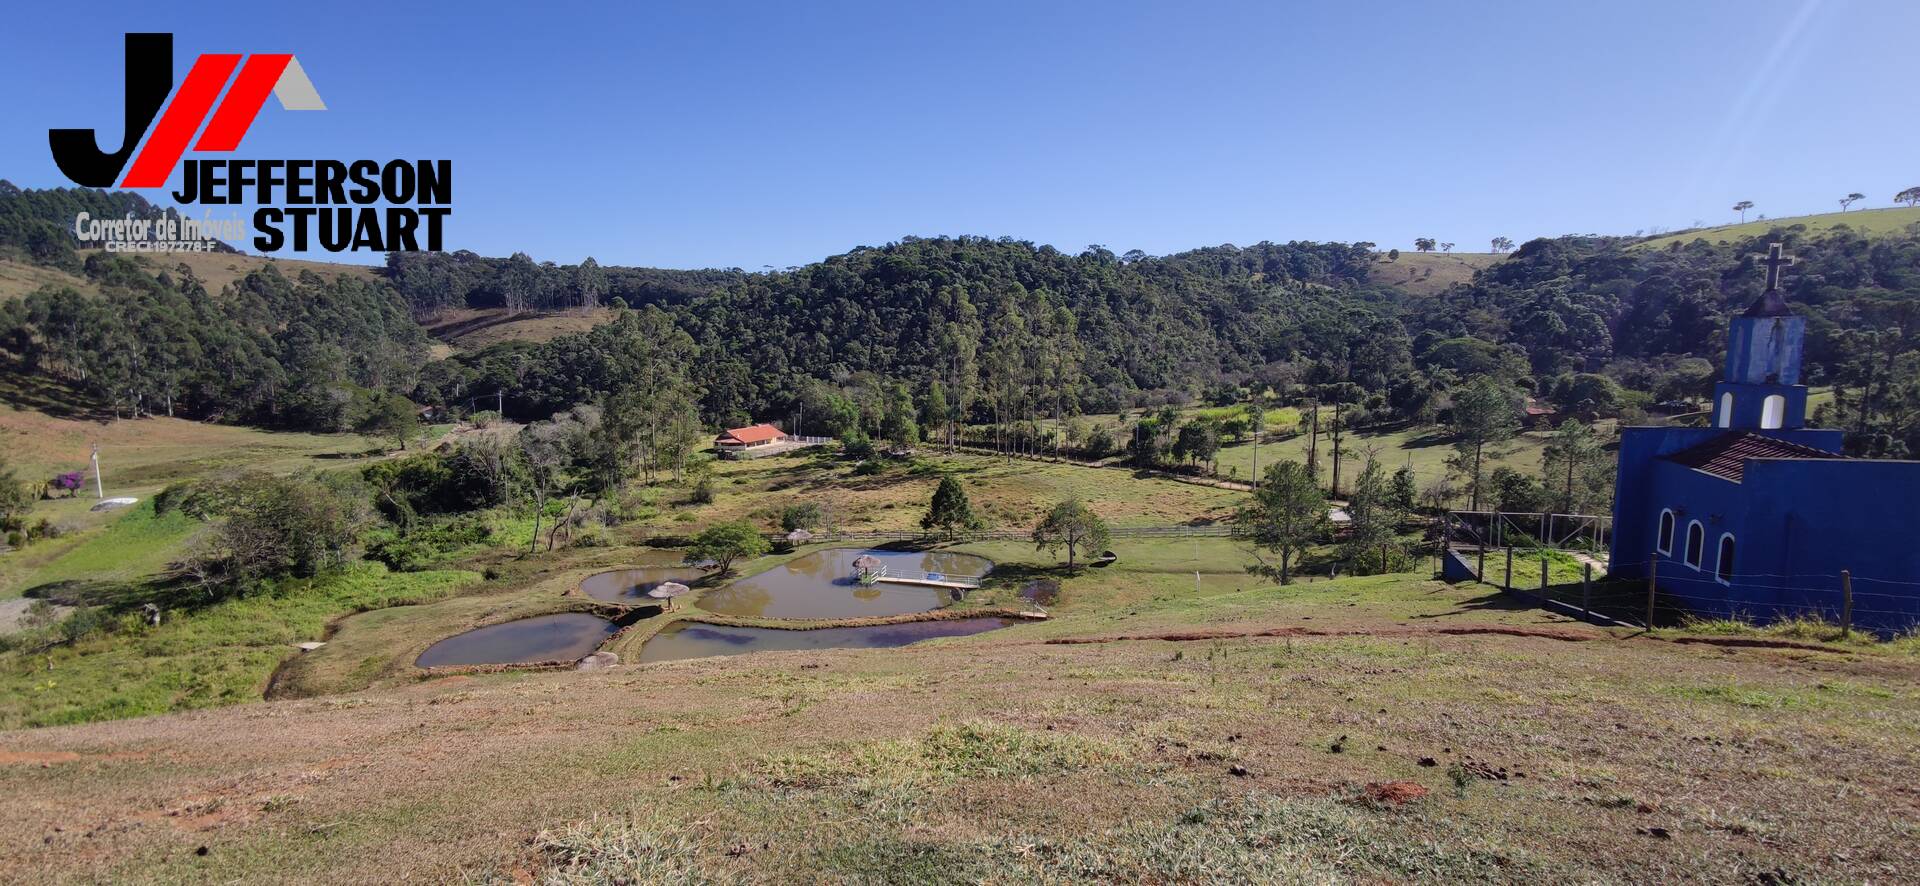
(1207, 727)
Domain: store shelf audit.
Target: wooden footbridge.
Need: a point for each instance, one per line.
(922, 579)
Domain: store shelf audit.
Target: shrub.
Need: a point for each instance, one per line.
(277, 526)
(799, 516)
(855, 444)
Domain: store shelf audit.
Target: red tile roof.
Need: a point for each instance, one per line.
(750, 435)
(1725, 456)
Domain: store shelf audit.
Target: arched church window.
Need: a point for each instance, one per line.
(1773, 411)
(1696, 542)
(1723, 569)
(1726, 410)
(1665, 542)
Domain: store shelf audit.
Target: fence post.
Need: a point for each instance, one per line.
(1480, 571)
(1543, 572)
(1508, 584)
(1653, 572)
(1846, 603)
(1586, 588)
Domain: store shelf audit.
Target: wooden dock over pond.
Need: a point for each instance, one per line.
(928, 579)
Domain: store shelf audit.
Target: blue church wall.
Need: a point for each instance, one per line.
(1636, 510)
(1796, 523)
(1812, 519)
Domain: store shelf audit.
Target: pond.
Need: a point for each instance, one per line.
(688, 639)
(562, 637)
(630, 586)
(822, 585)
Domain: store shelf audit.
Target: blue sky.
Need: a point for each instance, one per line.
(732, 134)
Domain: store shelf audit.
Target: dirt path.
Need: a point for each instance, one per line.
(11, 611)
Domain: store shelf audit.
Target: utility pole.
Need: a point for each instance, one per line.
(99, 487)
(500, 402)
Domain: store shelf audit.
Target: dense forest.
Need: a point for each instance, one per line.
(935, 332)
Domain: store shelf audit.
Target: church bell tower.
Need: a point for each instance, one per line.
(1761, 386)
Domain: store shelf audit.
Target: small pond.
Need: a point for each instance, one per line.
(822, 585)
(630, 586)
(562, 637)
(688, 639)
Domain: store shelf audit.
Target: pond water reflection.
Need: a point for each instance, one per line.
(562, 637)
(631, 585)
(822, 585)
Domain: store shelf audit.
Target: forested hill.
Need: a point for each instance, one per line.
(1106, 326)
(1598, 325)
(1005, 328)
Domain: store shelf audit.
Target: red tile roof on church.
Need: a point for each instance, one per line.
(750, 435)
(1725, 456)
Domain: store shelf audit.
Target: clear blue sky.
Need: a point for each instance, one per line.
(738, 134)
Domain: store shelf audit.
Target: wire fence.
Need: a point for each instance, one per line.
(1663, 592)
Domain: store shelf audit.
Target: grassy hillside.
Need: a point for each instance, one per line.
(1427, 273)
(220, 654)
(1871, 222)
(219, 270)
(472, 329)
(17, 278)
(138, 458)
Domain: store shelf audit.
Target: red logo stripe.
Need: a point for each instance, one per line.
(176, 127)
(243, 102)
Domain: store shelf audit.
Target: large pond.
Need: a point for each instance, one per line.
(822, 585)
(630, 586)
(687, 639)
(562, 637)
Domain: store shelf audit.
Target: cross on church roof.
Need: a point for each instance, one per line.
(1774, 261)
(1771, 303)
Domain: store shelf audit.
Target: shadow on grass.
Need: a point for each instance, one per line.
(1495, 600)
(30, 389)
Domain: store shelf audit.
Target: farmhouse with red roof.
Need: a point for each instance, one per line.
(739, 442)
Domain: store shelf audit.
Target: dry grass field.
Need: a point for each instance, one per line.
(1363, 730)
(1428, 273)
(470, 329)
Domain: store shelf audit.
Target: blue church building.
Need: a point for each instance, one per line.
(1757, 516)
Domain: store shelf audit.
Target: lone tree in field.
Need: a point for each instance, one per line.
(1910, 196)
(1424, 244)
(1502, 244)
(1447, 248)
(1742, 207)
(15, 498)
(724, 543)
(1288, 514)
(950, 510)
(1072, 526)
(1851, 199)
(392, 417)
(1485, 412)
(1375, 518)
